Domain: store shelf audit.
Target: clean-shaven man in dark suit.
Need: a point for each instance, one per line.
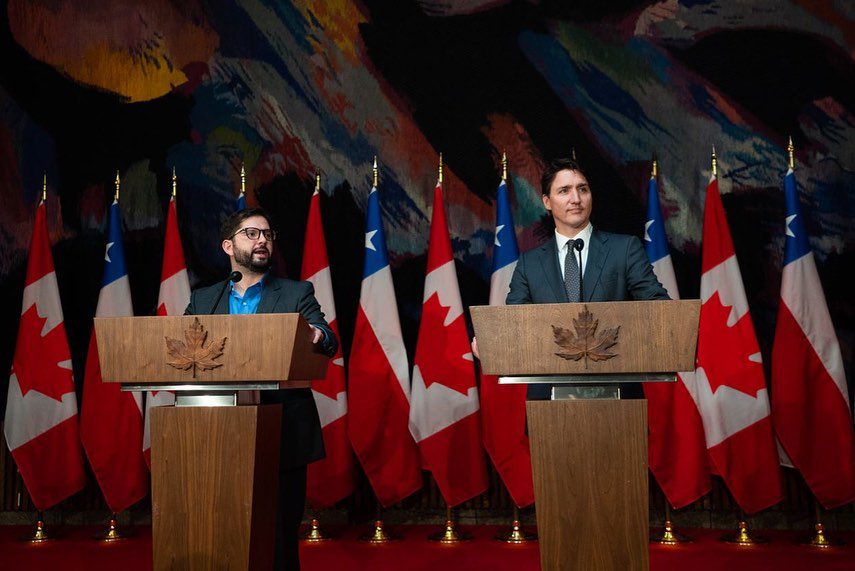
(248, 241)
(614, 266)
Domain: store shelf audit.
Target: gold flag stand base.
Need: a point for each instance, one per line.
(516, 534)
(315, 534)
(113, 534)
(39, 534)
(450, 534)
(743, 536)
(378, 534)
(820, 539)
(668, 536)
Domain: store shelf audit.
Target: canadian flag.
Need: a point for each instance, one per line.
(41, 407)
(379, 378)
(444, 416)
(111, 423)
(728, 384)
(810, 399)
(331, 479)
(173, 299)
(503, 406)
(678, 453)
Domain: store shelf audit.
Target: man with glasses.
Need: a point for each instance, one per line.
(247, 239)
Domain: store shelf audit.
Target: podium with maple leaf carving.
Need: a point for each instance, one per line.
(214, 465)
(588, 447)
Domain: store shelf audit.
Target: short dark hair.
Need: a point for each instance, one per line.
(553, 168)
(233, 222)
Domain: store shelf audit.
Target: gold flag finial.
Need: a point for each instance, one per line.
(654, 169)
(317, 181)
(174, 183)
(242, 179)
(44, 186)
(714, 163)
(376, 177)
(439, 180)
(118, 183)
(504, 166)
(573, 153)
(791, 153)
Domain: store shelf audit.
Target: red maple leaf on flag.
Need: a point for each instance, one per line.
(441, 349)
(724, 351)
(37, 358)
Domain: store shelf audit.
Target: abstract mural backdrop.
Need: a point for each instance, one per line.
(291, 88)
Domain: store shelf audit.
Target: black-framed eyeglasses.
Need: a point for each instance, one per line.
(254, 233)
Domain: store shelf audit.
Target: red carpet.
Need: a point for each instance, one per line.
(77, 550)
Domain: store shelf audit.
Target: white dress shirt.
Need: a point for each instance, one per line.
(562, 242)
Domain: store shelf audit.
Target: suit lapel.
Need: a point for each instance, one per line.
(223, 305)
(598, 251)
(269, 295)
(551, 269)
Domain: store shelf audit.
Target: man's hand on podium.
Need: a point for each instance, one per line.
(475, 348)
(317, 335)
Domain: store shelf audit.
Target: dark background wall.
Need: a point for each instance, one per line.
(290, 88)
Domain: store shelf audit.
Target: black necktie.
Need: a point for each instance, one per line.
(571, 273)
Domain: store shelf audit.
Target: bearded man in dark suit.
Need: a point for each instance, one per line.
(247, 239)
(614, 267)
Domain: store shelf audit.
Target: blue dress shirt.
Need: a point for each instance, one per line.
(248, 303)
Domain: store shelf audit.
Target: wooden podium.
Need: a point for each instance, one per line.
(214, 465)
(589, 454)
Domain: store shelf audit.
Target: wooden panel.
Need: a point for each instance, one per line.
(214, 486)
(654, 336)
(261, 347)
(589, 461)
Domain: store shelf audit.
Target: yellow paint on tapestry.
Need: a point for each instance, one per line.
(339, 22)
(136, 50)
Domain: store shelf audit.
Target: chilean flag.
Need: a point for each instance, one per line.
(728, 383)
(111, 424)
(331, 479)
(379, 379)
(41, 407)
(444, 417)
(503, 406)
(809, 394)
(173, 299)
(677, 448)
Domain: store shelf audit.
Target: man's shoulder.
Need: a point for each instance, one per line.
(613, 238)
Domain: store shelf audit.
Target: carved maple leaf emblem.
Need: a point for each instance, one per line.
(192, 353)
(37, 358)
(586, 342)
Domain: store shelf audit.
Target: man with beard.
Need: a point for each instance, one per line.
(248, 241)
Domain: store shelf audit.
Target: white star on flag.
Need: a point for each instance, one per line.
(790, 219)
(368, 237)
(107, 252)
(498, 229)
(647, 226)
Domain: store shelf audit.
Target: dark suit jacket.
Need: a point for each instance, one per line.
(302, 440)
(618, 270)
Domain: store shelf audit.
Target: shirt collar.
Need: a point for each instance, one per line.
(251, 290)
(585, 235)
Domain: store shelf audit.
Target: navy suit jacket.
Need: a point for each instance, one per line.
(618, 270)
(302, 439)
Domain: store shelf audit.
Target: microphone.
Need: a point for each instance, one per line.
(233, 277)
(579, 245)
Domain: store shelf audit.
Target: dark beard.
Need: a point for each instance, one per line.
(244, 259)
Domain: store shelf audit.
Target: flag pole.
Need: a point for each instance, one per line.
(375, 172)
(743, 535)
(714, 163)
(118, 185)
(819, 538)
(451, 533)
(44, 187)
(174, 184)
(315, 533)
(573, 153)
(439, 178)
(668, 536)
(379, 534)
(40, 534)
(113, 533)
